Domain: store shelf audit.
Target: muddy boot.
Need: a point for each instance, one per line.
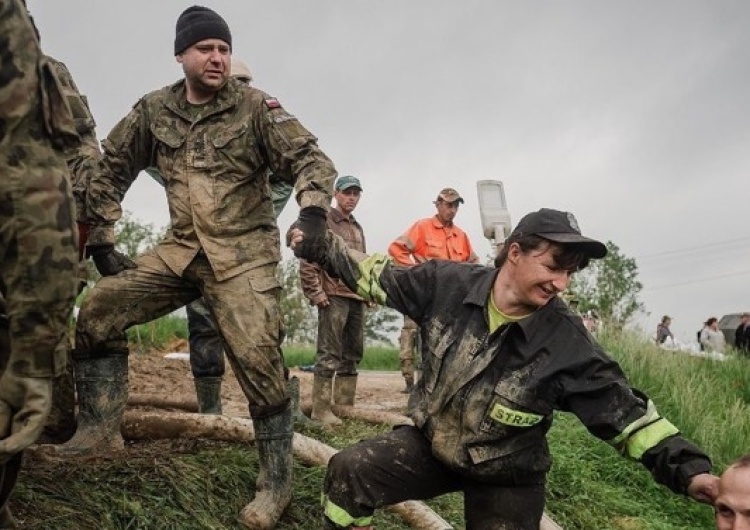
(409, 385)
(208, 391)
(299, 418)
(322, 393)
(6, 519)
(61, 423)
(344, 390)
(273, 437)
(102, 385)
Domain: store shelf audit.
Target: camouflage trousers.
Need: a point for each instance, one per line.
(245, 308)
(408, 353)
(399, 466)
(206, 348)
(341, 336)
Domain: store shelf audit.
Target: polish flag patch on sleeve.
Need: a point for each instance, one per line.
(272, 103)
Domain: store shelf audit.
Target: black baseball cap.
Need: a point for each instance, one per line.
(560, 227)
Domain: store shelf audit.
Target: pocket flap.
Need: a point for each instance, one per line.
(168, 135)
(261, 284)
(225, 136)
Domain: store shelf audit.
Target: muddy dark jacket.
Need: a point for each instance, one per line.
(485, 401)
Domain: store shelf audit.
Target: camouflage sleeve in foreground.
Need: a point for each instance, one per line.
(127, 151)
(294, 156)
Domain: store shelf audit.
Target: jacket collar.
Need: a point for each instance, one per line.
(480, 292)
(226, 98)
(337, 216)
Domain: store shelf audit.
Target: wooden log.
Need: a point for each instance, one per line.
(159, 402)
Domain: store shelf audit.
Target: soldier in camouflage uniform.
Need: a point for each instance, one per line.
(37, 241)
(214, 140)
(501, 353)
(206, 350)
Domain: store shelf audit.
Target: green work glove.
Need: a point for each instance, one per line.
(25, 403)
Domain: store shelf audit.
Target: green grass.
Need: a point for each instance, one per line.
(375, 358)
(157, 334)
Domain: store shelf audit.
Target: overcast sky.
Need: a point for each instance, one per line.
(632, 115)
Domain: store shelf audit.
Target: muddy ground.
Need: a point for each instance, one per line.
(154, 374)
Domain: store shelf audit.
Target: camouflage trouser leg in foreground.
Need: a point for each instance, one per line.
(399, 466)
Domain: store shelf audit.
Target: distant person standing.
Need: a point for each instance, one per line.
(711, 337)
(742, 335)
(662, 330)
(435, 237)
(341, 312)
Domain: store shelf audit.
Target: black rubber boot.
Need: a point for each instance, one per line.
(344, 390)
(208, 391)
(102, 385)
(273, 437)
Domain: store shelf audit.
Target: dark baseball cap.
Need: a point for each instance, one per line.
(346, 182)
(559, 227)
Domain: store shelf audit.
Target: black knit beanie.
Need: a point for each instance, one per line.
(198, 23)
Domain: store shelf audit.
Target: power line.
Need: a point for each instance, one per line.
(692, 249)
(689, 282)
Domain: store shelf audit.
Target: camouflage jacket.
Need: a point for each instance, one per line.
(316, 283)
(486, 400)
(81, 158)
(215, 169)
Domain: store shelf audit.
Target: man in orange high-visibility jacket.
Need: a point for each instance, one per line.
(435, 237)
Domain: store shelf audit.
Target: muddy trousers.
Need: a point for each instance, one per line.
(341, 337)
(399, 466)
(408, 354)
(206, 348)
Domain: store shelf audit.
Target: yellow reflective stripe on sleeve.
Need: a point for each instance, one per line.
(650, 416)
(368, 285)
(340, 517)
(514, 418)
(643, 434)
(649, 437)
